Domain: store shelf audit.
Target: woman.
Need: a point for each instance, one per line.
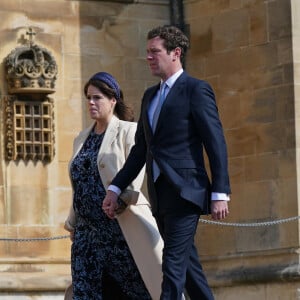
(128, 248)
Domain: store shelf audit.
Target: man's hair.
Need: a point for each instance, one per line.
(173, 37)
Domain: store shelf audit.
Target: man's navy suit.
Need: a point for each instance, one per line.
(188, 123)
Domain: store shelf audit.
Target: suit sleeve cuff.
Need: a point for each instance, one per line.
(219, 196)
(114, 189)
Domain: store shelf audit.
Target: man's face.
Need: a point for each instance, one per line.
(160, 62)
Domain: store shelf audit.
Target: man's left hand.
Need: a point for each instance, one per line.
(219, 209)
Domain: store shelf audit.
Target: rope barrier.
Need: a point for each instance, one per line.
(257, 224)
(210, 222)
(59, 237)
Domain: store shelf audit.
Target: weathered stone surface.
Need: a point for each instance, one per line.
(248, 50)
(85, 37)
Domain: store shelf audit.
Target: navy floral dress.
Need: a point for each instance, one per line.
(99, 245)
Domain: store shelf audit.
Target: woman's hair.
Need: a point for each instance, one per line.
(173, 37)
(122, 110)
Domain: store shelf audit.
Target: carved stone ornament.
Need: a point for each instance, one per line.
(29, 111)
(30, 69)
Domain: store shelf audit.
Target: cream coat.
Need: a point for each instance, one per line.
(137, 223)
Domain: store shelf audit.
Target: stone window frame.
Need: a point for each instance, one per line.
(29, 129)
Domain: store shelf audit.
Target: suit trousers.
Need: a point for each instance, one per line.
(177, 221)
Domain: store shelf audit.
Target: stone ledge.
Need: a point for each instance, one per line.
(20, 282)
(165, 2)
(256, 275)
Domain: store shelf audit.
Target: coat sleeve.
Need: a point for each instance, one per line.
(206, 118)
(139, 226)
(131, 194)
(71, 220)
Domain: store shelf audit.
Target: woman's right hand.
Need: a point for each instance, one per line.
(71, 230)
(72, 236)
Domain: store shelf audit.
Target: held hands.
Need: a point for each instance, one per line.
(110, 204)
(219, 209)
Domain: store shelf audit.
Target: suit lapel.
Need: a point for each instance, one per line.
(172, 97)
(148, 100)
(109, 136)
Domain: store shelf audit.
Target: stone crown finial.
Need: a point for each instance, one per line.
(30, 69)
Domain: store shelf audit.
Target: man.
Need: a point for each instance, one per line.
(172, 148)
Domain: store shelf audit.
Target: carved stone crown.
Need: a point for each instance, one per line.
(30, 69)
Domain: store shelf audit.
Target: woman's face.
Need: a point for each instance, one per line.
(101, 108)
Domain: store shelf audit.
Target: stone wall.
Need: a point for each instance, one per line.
(245, 50)
(248, 51)
(84, 37)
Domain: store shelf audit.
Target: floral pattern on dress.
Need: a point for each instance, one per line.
(99, 245)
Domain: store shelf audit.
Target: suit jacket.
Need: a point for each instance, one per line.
(137, 223)
(188, 123)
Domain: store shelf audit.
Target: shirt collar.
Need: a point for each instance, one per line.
(171, 80)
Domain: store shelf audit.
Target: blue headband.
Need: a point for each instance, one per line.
(110, 81)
